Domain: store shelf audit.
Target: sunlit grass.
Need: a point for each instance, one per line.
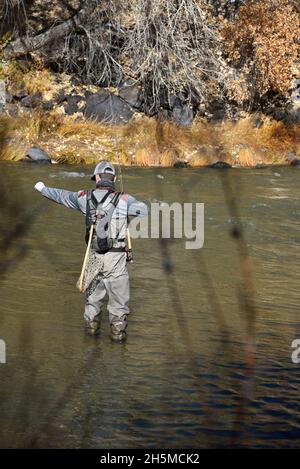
(148, 142)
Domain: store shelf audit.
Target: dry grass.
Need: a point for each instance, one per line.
(144, 141)
(148, 142)
(12, 152)
(38, 81)
(272, 134)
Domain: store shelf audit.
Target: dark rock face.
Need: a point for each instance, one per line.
(60, 97)
(20, 95)
(37, 155)
(131, 93)
(220, 165)
(107, 107)
(295, 162)
(182, 114)
(32, 101)
(72, 104)
(48, 105)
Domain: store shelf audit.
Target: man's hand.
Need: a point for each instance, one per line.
(39, 186)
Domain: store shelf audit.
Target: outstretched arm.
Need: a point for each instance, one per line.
(136, 208)
(75, 200)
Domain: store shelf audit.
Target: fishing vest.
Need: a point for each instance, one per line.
(100, 217)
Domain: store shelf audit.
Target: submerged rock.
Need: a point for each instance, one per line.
(107, 107)
(181, 164)
(220, 165)
(37, 155)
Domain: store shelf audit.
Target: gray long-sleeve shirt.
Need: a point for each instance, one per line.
(127, 206)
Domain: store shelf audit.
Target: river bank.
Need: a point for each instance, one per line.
(76, 123)
(252, 141)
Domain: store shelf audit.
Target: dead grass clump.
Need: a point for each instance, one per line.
(168, 158)
(82, 128)
(271, 134)
(12, 152)
(38, 81)
(147, 156)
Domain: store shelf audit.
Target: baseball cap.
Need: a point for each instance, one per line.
(103, 168)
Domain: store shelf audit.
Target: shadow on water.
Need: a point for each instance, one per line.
(182, 378)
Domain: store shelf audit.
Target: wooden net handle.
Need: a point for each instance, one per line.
(81, 288)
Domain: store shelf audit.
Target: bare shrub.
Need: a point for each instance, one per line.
(172, 48)
(262, 44)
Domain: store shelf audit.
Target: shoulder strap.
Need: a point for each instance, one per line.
(91, 206)
(116, 198)
(95, 201)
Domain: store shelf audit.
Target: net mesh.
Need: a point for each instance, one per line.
(93, 267)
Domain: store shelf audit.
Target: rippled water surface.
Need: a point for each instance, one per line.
(176, 382)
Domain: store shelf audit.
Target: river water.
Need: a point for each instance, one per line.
(176, 382)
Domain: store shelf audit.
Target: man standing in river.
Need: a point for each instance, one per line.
(112, 275)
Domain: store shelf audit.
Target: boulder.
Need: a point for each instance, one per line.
(107, 107)
(12, 109)
(182, 114)
(20, 95)
(72, 104)
(293, 114)
(32, 101)
(60, 97)
(37, 155)
(131, 93)
(181, 164)
(220, 165)
(48, 105)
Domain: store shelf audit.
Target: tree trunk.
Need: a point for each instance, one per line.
(25, 44)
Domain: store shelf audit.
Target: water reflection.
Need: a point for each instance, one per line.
(179, 379)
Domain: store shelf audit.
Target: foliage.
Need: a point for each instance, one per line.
(262, 45)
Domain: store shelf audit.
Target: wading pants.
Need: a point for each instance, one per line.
(112, 280)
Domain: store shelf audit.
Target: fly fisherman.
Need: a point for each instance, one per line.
(107, 246)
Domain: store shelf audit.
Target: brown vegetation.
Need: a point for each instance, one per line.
(148, 142)
(262, 44)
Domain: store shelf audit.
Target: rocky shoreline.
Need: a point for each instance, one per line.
(51, 117)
